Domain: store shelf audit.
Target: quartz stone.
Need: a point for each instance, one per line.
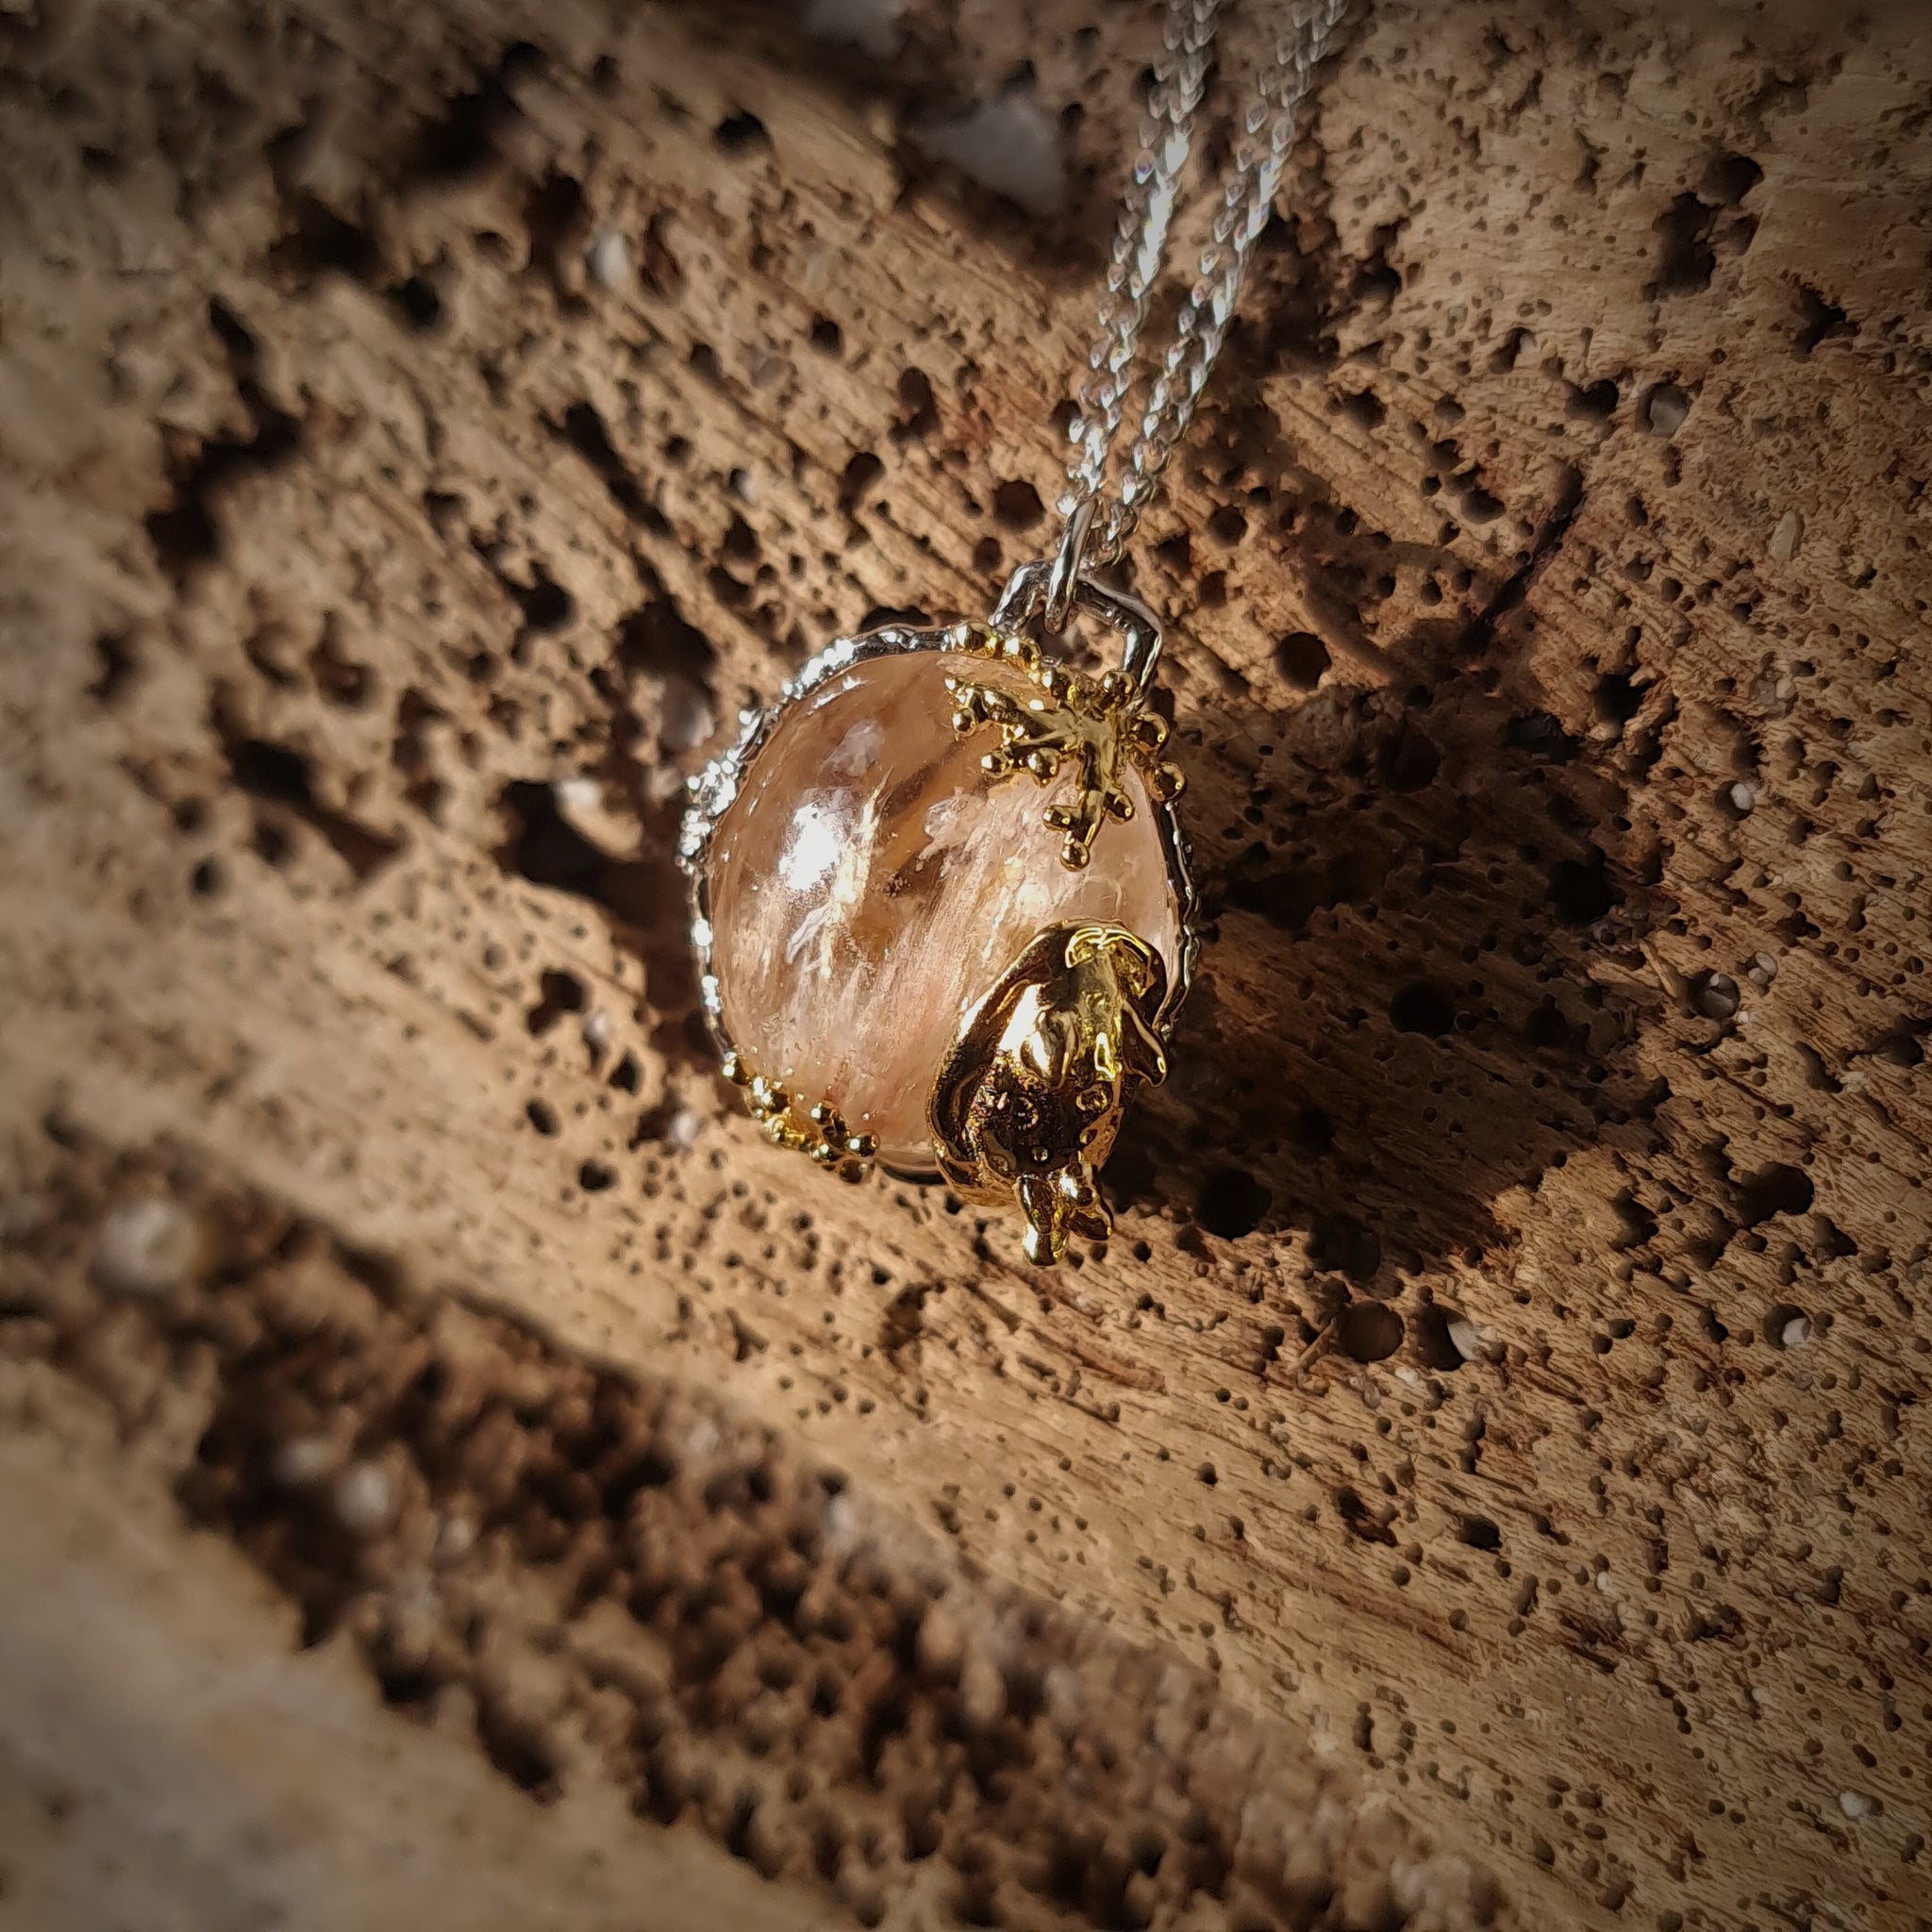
(869, 882)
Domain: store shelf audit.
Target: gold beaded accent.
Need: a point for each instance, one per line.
(816, 1128)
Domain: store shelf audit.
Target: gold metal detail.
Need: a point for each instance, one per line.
(817, 1128)
(1029, 1099)
(1096, 723)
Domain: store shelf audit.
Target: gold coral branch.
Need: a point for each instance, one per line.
(1096, 725)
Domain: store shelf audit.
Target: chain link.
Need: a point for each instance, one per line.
(1140, 249)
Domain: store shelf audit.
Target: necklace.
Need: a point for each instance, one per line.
(906, 956)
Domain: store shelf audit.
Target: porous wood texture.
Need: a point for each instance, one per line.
(189, 1766)
(420, 429)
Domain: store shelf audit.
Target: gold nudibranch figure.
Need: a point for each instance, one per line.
(1030, 1097)
(1094, 722)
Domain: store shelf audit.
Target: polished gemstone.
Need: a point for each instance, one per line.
(870, 882)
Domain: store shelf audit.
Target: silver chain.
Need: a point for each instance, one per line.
(1099, 526)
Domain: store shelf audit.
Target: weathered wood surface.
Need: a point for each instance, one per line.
(188, 1769)
(1509, 1374)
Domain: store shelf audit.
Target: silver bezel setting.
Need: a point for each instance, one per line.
(715, 788)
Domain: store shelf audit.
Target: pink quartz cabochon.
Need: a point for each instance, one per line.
(870, 881)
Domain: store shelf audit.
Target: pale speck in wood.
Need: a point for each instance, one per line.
(302, 1461)
(1464, 1339)
(662, 783)
(1743, 795)
(1064, 1696)
(842, 1524)
(1667, 408)
(1795, 1333)
(817, 267)
(146, 1248)
(455, 1536)
(684, 715)
(1785, 538)
(941, 1644)
(608, 258)
(1010, 144)
(871, 25)
(1857, 1805)
(1715, 995)
(364, 1498)
(598, 812)
(982, 1690)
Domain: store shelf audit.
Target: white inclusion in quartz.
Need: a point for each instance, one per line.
(827, 851)
(811, 854)
(948, 822)
(858, 750)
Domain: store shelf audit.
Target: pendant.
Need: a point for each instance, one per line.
(942, 907)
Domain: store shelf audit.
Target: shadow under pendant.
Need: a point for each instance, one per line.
(942, 907)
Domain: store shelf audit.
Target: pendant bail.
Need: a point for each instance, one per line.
(1064, 581)
(1025, 602)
